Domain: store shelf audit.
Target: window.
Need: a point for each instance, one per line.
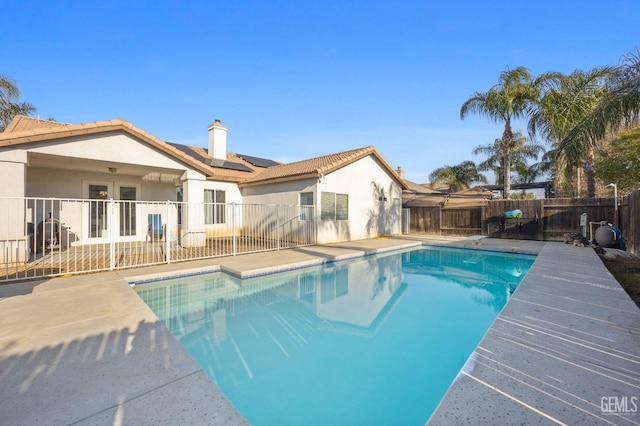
(306, 206)
(98, 210)
(334, 206)
(214, 206)
(127, 211)
(342, 207)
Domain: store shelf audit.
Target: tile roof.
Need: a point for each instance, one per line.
(29, 132)
(316, 167)
(241, 169)
(22, 122)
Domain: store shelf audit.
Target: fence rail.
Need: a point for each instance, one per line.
(543, 220)
(50, 236)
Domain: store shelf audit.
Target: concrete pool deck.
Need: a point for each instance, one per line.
(568, 337)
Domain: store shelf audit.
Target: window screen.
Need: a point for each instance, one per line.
(306, 206)
(214, 206)
(334, 206)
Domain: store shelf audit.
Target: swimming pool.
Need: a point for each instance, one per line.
(376, 340)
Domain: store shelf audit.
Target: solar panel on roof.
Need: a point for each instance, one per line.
(188, 150)
(257, 161)
(223, 164)
(227, 165)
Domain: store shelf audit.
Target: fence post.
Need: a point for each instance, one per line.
(233, 226)
(167, 235)
(277, 228)
(112, 246)
(484, 228)
(316, 223)
(540, 220)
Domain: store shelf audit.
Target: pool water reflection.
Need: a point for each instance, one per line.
(370, 341)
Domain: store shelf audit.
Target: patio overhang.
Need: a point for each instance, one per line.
(91, 166)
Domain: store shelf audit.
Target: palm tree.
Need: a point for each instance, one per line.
(565, 102)
(458, 177)
(619, 107)
(506, 101)
(522, 150)
(9, 107)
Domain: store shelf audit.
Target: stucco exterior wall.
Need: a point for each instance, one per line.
(194, 190)
(14, 245)
(12, 176)
(363, 181)
(43, 182)
(194, 228)
(286, 193)
(116, 147)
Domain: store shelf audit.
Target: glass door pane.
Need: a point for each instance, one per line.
(127, 211)
(98, 210)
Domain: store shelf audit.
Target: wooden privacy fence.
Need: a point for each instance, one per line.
(542, 220)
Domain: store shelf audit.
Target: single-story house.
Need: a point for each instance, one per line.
(350, 195)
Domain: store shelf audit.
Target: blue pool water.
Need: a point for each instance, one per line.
(371, 341)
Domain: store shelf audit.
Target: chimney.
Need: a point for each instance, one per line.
(218, 140)
(400, 172)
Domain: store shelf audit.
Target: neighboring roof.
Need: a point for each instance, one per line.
(411, 199)
(30, 132)
(476, 196)
(476, 191)
(440, 187)
(531, 185)
(446, 201)
(317, 167)
(419, 188)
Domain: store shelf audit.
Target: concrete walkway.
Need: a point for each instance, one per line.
(564, 350)
(87, 350)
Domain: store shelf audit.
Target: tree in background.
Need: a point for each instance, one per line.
(565, 102)
(619, 162)
(9, 105)
(506, 101)
(458, 177)
(619, 109)
(522, 150)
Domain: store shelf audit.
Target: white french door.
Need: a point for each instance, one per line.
(97, 212)
(101, 215)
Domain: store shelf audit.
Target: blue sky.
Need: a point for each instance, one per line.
(298, 79)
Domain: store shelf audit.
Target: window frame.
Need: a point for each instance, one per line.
(214, 210)
(334, 206)
(306, 210)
